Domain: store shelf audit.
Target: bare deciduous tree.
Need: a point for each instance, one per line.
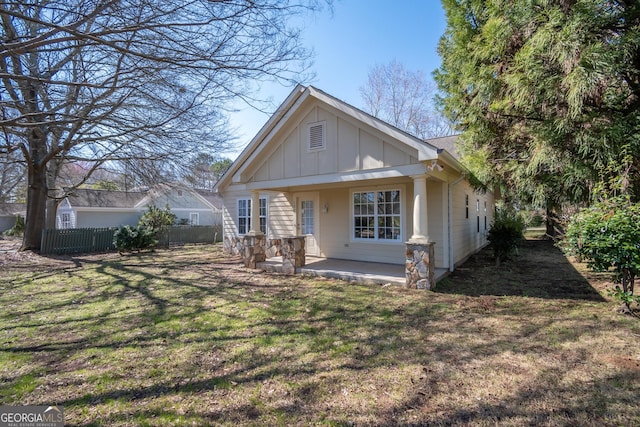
(140, 81)
(404, 99)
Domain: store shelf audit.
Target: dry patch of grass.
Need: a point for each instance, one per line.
(188, 337)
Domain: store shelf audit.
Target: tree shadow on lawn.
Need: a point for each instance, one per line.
(177, 340)
(540, 270)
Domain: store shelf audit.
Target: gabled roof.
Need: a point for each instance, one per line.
(447, 143)
(213, 198)
(426, 150)
(90, 198)
(162, 189)
(12, 209)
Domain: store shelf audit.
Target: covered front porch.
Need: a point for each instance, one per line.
(318, 229)
(353, 271)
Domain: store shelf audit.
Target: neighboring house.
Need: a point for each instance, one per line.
(9, 212)
(88, 208)
(356, 187)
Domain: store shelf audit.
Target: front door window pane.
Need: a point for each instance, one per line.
(307, 220)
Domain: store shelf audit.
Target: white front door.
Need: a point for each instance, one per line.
(307, 221)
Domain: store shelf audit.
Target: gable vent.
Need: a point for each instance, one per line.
(316, 136)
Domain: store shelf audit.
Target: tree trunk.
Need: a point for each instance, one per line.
(52, 210)
(552, 223)
(36, 206)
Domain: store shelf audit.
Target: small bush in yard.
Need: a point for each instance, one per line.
(506, 233)
(607, 235)
(17, 229)
(129, 239)
(156, 219)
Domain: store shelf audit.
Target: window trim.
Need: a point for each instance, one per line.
(376, 240)
(248, 216)
(466, 206)
(323, 145)
(197, 217)
(65, 224)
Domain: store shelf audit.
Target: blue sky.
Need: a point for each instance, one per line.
(358, 35)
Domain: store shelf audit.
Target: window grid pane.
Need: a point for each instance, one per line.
(244, 215)
(377, 215)
(307, 217)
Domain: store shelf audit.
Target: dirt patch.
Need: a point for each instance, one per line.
(540, 270)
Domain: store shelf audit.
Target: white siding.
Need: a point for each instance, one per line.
(437, 222)
(466, 237)
(349, 146)
(98, 219)
(280, 215)
(336, 226)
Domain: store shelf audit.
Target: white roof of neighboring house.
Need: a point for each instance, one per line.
(13, 209)
(90, 198)
(213, 198)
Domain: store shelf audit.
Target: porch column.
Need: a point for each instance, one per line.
(255, 213)
(420, 220)
(254, 240)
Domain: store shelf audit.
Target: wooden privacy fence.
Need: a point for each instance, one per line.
(181, 234)
(86, 240)
(77, 240)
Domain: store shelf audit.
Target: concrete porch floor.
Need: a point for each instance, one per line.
(356, 271)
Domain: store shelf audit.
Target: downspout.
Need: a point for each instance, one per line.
(450, 222)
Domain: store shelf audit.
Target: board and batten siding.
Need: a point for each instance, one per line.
(349, 147)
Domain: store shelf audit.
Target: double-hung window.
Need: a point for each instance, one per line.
(376, 215)
(194, 218)
(65, 220)
(244, 215)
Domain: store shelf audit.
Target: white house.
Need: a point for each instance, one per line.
(354, 186)
(88, 208)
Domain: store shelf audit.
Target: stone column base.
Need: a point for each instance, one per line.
(254, 250)
(293, 254)
(419, 266)
(233, 246)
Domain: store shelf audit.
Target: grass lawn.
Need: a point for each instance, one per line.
(188, 337)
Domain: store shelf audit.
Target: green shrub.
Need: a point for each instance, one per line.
(536, 220)
(157, 219)
(607, 235)
(18, 228)
(506, 233)
(129, 239)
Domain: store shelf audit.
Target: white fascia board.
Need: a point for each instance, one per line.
(425, 150)
(257, 140)
(282, 121)
(361, 175)
(450, 160)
